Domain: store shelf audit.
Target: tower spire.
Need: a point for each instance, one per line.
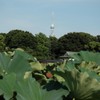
(52, 27)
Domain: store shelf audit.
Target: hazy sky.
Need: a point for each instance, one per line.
(36, 16)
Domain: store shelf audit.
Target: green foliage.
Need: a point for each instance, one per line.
(24, 78)
(86, 61)
(80, 85)
(31, 90)
(2, 44)
(17, 64)
(7, 85)
(19, 38)
(36, 66)
(81, 76)
(26, 89)
(13, 70)
(87, 56)
(98, 38)
(54, 47)
(91, 66)
(42, 52)
(93, 46)
(42, 46)
(74, 41)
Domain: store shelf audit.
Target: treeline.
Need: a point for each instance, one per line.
(43, 47)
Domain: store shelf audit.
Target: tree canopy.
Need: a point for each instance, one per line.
(2, 45)
(43, 47)
(54, 47)
(74, 41)
(19, 38)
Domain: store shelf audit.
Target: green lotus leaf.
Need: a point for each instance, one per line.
(92, 66)
(80, 85)
(4, 61)
(59, 78)
(25, 55)
(29, 89)
(54, 94)
(91, 74)
(18, 64)
(87, 56)
(7, 85)
(70, 65)
(36, 66)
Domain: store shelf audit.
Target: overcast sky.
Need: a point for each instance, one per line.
(37, 15)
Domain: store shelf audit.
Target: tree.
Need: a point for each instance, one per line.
(93, 46)
(19, 38)
(54, 47)
(98, 38)
(3, 34)
(42, 50)
(2, 45)
(74, 41)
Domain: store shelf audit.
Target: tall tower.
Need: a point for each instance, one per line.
(52, 27)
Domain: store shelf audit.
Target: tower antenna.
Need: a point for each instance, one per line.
(52, 27)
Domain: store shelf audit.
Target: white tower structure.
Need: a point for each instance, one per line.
(52, 27)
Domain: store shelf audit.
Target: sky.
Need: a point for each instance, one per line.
(37, 16)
